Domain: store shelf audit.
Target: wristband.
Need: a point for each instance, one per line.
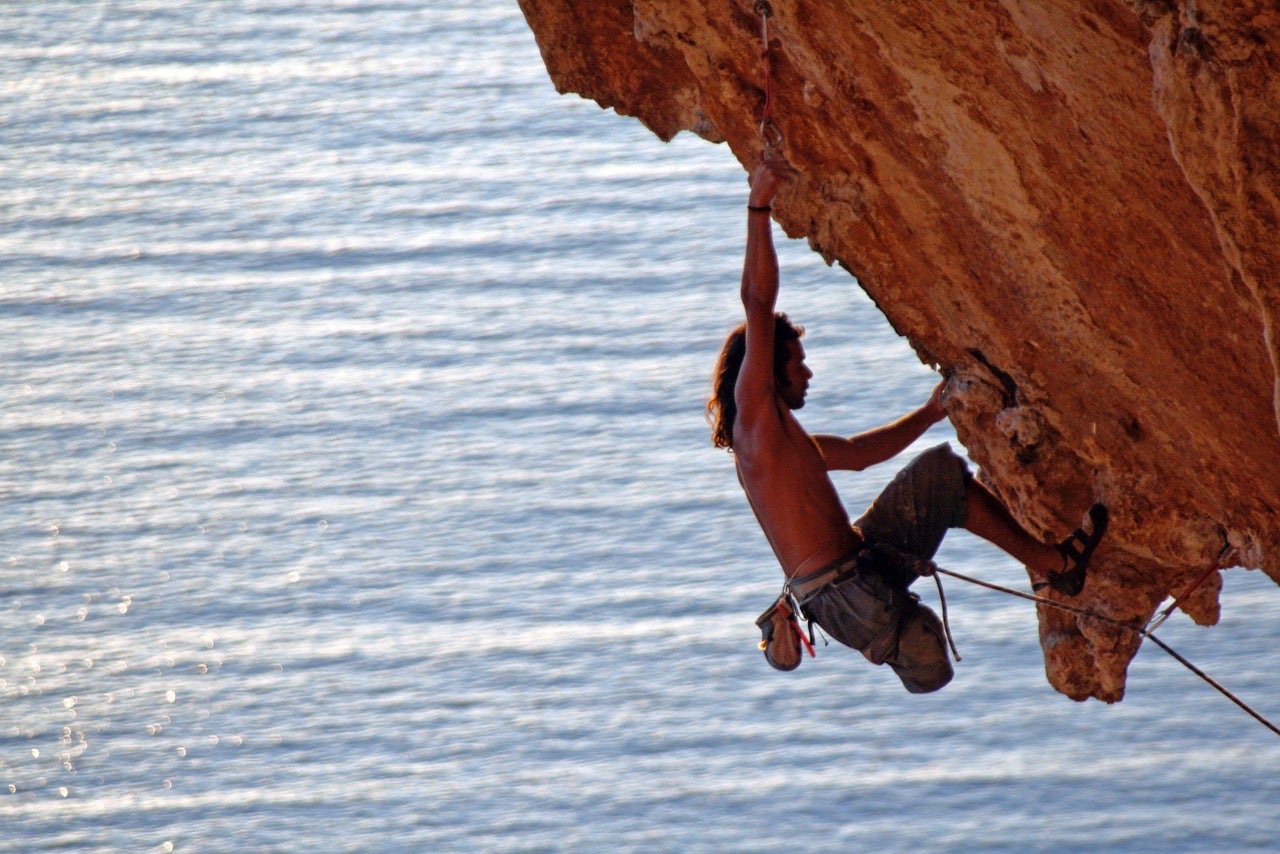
(759, 209)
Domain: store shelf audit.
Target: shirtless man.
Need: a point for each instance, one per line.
(760, 381)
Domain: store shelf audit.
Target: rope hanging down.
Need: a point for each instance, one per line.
(1143, 631)
(770, 134)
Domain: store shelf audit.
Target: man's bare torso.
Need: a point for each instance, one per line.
(785, 477)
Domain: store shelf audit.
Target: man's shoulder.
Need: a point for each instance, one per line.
(767, 432)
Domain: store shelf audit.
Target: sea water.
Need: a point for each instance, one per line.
(355, 492)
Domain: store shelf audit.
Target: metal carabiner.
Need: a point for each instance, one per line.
(771, 135)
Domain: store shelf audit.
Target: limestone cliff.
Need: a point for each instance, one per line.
(1073, 204)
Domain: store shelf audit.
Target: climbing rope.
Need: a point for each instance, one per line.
(1144, 631)
(1158, 621)
(770, 134)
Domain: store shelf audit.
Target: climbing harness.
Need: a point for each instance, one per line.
(770, 134)
(1144, 631)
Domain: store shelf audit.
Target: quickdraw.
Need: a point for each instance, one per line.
(770, 133)
(1158, 620)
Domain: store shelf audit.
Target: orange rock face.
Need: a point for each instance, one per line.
(1072, 205)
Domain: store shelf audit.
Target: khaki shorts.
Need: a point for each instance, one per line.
(914, 511)
(869, 607)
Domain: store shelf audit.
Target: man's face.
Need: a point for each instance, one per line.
(795, 376)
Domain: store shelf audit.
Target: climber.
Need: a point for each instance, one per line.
(851, 579)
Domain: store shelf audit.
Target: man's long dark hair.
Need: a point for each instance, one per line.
(722, 409)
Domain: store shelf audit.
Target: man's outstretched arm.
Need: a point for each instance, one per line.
(882, 443)
(759, 294)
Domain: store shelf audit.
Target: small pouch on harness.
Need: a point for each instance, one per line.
(781, 636)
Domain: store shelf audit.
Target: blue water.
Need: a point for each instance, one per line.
(355, 492)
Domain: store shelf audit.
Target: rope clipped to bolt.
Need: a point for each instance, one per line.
(1157, 621)
(770, 134)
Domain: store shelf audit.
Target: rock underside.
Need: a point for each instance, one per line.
(1072, 204)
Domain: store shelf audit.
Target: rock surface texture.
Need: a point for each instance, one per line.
(1072, 204)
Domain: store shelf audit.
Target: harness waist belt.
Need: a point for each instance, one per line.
(804, 586)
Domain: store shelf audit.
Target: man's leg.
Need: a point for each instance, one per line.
(989, 519)
(914, 511)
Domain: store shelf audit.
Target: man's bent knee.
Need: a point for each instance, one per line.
(922, 662)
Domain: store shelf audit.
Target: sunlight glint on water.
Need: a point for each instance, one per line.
(356, 492)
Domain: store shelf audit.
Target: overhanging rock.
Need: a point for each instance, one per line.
(1073, 205)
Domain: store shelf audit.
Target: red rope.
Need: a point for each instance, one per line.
(1158, 621)
(766, 61)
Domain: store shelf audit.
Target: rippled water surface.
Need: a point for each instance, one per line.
(355, 492)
